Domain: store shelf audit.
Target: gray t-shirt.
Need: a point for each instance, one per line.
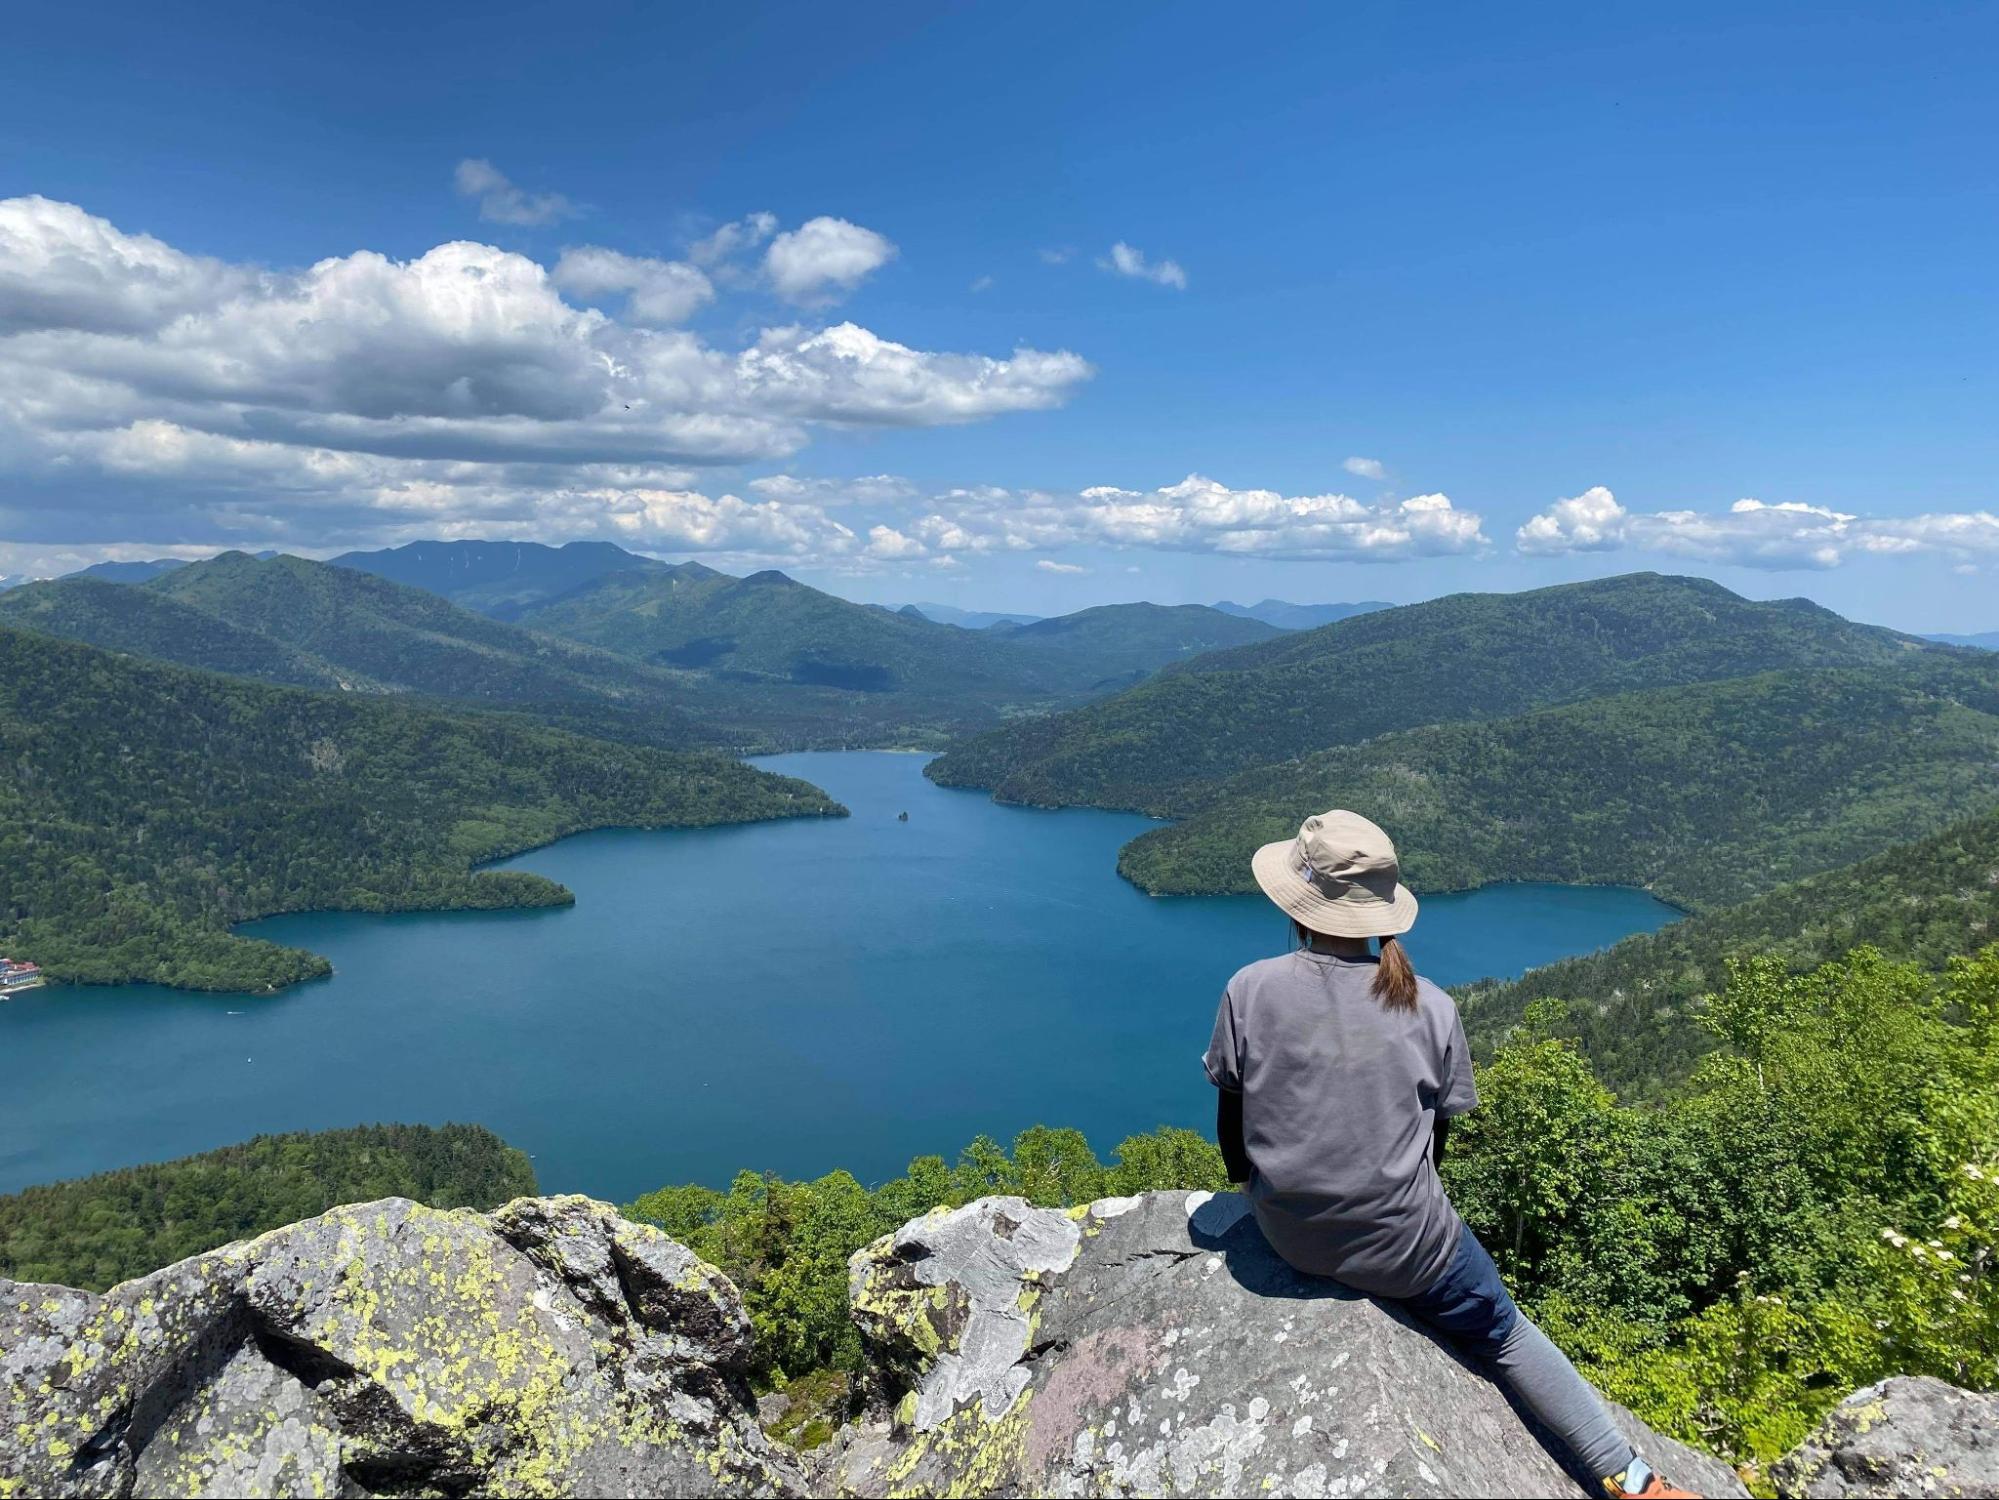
(1340, 1095)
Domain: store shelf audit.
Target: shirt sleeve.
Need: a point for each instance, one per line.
(1223, 1059)
(1459, 1093)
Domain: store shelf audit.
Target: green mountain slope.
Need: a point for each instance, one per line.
(140, 622)
(500, 579)
(309, 624)
(397, 637)
(1131, 640)
(1630, 1005)
(1706, 794)
(676, 656)
(128, 572)
(144, 808)
(97, 1231)
(773, 633)
(1162, 746)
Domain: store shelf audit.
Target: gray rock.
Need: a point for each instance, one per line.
(547, 1348)
(1908, 1436)
(1157, 1346)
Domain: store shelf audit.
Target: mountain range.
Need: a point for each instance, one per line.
(1648, 730)
(1270, 611)
(1163, 746)
(1299, 616)
(501, 579)
(655, 653)
(308, 624)
(967, 619)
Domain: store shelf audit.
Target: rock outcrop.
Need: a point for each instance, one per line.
(1906, 1436)
(1151, 1345)
(1157, 1346)
(548, 1348)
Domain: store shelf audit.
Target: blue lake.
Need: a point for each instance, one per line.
(796, 996)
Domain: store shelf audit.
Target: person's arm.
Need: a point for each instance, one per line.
(1228, 1132)
(1439, 1137)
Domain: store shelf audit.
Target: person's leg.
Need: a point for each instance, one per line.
(1470, 1305)
(1568, 1406)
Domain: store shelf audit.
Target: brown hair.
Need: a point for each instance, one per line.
(1394, 978)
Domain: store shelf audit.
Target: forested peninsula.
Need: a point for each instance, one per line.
(1165, 746)
(1706, 794)
(148, 808)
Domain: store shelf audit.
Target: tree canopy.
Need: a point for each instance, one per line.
(95, 1232)
(145, 808)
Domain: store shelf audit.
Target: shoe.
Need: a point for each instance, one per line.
(1639, 1483)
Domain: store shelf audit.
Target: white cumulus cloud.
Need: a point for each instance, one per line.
(1590, 522)
(500, 202)
(1049, 565)
(866, 489)
(1202, 515)
(1754, 533)
(657, 293)
(824, 258)
(890, 545)
(1365, 468)
(1129, 260)
(63, 268)
(153, 396)
(733, 239)
(848, 374)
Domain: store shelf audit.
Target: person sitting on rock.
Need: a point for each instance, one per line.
(1339, 1070)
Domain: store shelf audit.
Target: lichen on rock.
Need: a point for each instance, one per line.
(1157, 1346)
(1152, 1345)
(1908, 1436)
(548, 1348)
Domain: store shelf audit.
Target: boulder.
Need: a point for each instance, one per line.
(1157, 1346)
(547, 1348)
(1907, 1436)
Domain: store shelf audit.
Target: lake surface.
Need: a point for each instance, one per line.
(796, 996)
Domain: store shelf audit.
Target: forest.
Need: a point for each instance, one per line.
(1818, 1207)
(95, 1232)
(1636, 1001)
(1814, 1208)
(1705, 795)
(1164, 746)
(148, 808)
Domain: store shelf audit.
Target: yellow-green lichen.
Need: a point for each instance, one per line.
(965, 1455)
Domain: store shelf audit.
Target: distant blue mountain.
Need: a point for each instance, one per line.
(1300, 616)
(128, 572)
(500, 579)
(967, 619)
(140, 572)
(1984, 641)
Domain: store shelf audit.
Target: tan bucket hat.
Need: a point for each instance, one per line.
(1339, 876)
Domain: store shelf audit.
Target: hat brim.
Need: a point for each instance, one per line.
(1358, 914)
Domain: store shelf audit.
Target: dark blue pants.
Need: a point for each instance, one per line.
(1471, 1307)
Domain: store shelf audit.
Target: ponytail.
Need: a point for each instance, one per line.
(1394, 979)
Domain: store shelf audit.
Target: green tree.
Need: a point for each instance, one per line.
(1535, 1156)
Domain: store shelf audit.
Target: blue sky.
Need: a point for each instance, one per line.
(1617, 270)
